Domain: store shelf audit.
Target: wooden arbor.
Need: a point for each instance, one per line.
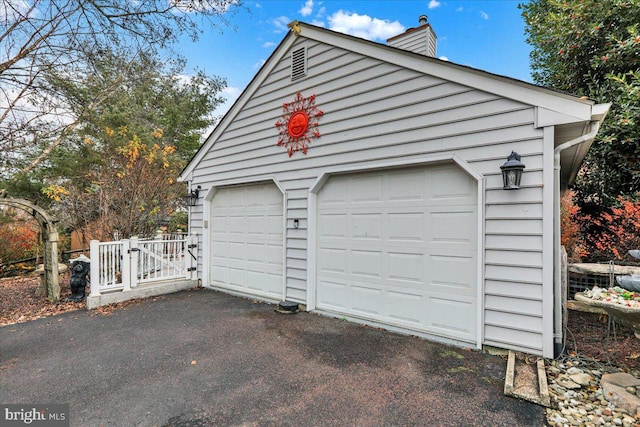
(49, 240)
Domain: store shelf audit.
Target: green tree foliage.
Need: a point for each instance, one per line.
(39, 37)
(115, 173)
(592, 48)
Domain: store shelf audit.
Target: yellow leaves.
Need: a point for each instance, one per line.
(157, 133)
(132, 150)
(88, 140)
(156, 154)
(108, 131)
(122, 130)
(55, 192)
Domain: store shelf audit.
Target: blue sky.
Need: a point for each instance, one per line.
(488, 35)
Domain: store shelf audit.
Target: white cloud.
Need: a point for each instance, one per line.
(307, 9)
(259, 64)
(444, 58)
(460, 9)
(268, 44)
(318, 23)
(364, 26)
(281, 24)
(231, 92)
(484, 15)
(433, 4)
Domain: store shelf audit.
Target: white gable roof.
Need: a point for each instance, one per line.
(554, 108)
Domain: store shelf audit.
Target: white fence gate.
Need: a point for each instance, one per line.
(127, 265)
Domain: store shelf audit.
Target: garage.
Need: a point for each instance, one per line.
(247, 239)
(399, 247)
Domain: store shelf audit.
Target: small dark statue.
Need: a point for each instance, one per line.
(78, 281)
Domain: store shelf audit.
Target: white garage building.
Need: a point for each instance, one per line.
(364, 181)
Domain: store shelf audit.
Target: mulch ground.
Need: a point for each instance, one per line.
(589, 335)
(19, 302)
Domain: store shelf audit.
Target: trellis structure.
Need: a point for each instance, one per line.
(49, 239)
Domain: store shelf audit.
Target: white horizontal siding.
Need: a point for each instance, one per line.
(375, 112)
(513, 338)
(512, 257)
(513, 289)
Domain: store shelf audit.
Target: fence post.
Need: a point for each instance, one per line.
(192, 257)
(126, 265)
(94, 273)
(133, 256)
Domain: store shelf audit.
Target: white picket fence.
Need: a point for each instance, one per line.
(128, 265)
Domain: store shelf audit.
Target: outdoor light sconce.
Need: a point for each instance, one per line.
(192, 196)
(296, 223)
(512, 172)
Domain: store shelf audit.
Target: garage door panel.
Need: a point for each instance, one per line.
(406, 226)
(332, 260)
(273, 255)
(366, 189)
(255, 252)
(365, 299)
(459, 186)
(452, 271)
(456, 228)
(332, 295)
(336, 195)
(406, 187)
(407, 267)
(366, 225)
(394, 249)
(366, 263)
(333, 225)
(406, 307)
(456, 318)
(247, 239)
(236, 276)
(274, 226)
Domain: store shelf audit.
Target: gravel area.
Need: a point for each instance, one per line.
(594, 348)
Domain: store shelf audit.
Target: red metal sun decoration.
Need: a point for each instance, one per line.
(299, 124)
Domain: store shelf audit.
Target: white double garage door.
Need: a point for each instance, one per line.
(395, 247)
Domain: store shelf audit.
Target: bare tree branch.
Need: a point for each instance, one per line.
(41, 37)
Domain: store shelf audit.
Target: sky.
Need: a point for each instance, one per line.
(488, 35)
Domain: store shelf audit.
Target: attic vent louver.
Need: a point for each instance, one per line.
(298, 64)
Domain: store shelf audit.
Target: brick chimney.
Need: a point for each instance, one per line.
(420, 40)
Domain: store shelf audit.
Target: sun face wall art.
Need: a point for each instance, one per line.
(299, 123)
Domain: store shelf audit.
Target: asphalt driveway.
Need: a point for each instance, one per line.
(203, 358)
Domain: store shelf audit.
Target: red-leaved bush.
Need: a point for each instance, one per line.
(19, 241)
(619, 229)
(571, 235)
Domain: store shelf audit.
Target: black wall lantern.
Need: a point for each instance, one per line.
(192, 196)
(512, 172)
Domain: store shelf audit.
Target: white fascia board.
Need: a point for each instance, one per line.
(276, 56)
(599, 111)
(506, 87)
(546, 117)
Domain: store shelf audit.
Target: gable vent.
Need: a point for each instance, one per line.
(298, 64)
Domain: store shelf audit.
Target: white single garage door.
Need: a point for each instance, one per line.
(399, 247)
(246, 239)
